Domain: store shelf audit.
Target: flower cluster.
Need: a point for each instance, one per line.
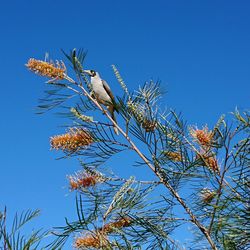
(148, 125)
(110, 227)
(74, 140)
(139, 113)
(90, 241)
(80, 116)
(207, 195)
(174, 156)
(210, 161)
(49, 69)
(137, 110)
(99, 238)
(120, 80)
(203, 136)
(205, 140)
(84, 180)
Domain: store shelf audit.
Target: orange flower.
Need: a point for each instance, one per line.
(50, 70)
(73, 184)
(210, 161)
(174, 156)
(110, 227)
(99, 238)
(72, 141)
(148, 125)
(83, 180)
(202, 136)
(86, 241)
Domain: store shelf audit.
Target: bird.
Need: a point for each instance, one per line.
(103, 93)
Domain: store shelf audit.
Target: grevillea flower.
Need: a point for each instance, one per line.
(83, 180)
(202, 136)
(210, 161)
(99, 238)
(174, 156)
(80, 116)
(137, 110)
(207, 195)
(91, 240)
(74, 140)
(148, 125)
(110, 227)
(49, 69)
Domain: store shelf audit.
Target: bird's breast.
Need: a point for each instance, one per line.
(99, 91)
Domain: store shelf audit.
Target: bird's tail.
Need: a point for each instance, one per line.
(112, 112)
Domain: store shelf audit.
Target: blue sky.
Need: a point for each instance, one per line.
(198, 49)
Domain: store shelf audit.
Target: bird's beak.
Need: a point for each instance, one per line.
(87, 72)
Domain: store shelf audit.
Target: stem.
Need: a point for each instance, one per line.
(202, 228)
(4, 228)
(192, 216)
(217, 202)
(221, 182)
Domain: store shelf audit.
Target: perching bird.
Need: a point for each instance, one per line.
(103, 93)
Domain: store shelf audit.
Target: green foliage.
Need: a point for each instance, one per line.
(13, 238)
(113, 200)
(204, 172)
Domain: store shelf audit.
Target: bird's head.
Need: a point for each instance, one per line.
(91, 72)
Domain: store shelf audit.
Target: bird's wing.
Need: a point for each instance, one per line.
(108, 90)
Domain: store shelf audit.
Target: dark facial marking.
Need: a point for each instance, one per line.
(93, 73)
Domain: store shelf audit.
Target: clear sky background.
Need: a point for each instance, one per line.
(200, 50)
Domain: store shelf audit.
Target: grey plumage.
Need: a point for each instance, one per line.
(103, 93)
